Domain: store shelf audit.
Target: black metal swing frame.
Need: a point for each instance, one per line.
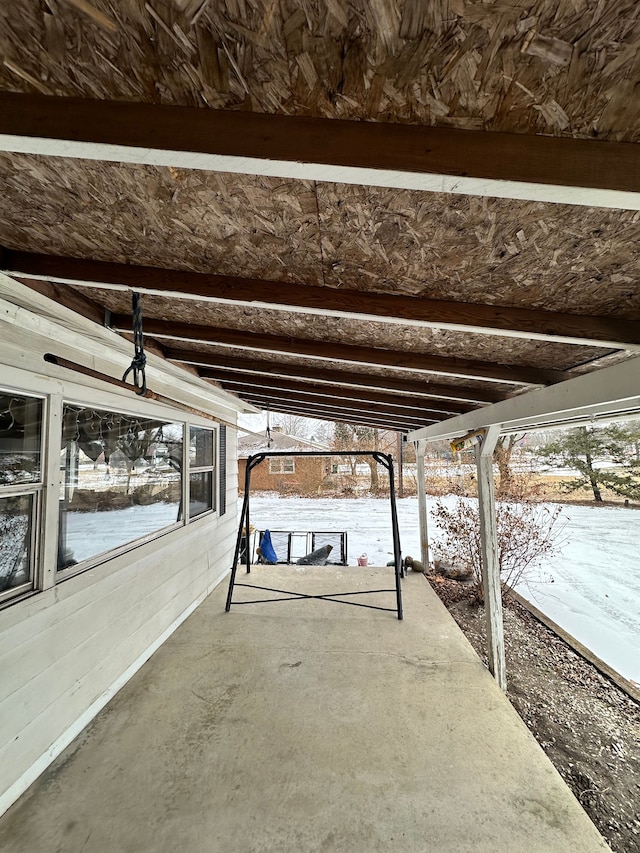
(383, 459)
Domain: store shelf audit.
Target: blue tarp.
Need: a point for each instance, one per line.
(267, 550)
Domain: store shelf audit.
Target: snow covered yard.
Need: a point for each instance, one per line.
(591, 589)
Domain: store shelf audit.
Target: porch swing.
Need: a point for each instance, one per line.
(337, 597)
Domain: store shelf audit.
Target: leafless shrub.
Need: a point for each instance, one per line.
(527, 533)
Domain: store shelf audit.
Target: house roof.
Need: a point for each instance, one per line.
(389, 213)
(250, 443)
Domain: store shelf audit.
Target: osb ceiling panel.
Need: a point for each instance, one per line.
(230, 224)
(491, 250)
(502, 252)
(534, 66)
(357, 332)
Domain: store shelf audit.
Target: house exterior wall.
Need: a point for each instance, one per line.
(68, 646)
(308, 476)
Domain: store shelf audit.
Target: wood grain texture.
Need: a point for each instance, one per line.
(398, 148)
(531, 77)
(455, 248)
(342, 409)
(320, 393)
(378, 372)
(558, 67)
(352, 304)
(356, 414)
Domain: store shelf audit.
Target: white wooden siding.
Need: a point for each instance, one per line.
(62, 650)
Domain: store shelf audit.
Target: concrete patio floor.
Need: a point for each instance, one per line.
(306, 726)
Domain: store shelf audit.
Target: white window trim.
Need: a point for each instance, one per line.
(213, 468)
(38, 491)
(54, 392)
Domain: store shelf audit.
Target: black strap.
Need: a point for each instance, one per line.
(139, 361)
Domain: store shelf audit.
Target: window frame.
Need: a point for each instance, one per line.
(64, 574)
(222, 469)
(36, 491)
(201, 469)
(281, 460)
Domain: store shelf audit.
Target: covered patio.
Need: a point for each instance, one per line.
(225, 740)
(410, 217)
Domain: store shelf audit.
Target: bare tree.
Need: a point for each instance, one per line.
(295, 425)
(503, 457)
(353, 437)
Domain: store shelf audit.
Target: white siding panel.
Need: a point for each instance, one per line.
(78, 648)
(56, 699)
(74, 600)
(112, 618)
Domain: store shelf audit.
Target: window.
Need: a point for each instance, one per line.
(201, 471)
(282, 465)
(121, 481)
(20, 490)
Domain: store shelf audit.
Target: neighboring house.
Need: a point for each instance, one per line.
(283, 473)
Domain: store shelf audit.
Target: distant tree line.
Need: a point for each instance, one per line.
(606, 457)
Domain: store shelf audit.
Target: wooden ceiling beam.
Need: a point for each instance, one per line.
(478, 318)
(250, 367)
(333, 390)
(305, 389)
(440, 159)
(363, 422)
(365, 419)
(345, 353)
(368, 407)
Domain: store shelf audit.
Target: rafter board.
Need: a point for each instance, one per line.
(362, 332)
(487, 391)
(212, 367)
(373, 423)
(331, 384)
(515, 254)
(390, 308)
(438, 246)
(303, 391)
(319, 348)
(393, 155)
(343, 408)
(388, 420)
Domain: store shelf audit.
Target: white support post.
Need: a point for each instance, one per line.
(490, 564)
(422, 503)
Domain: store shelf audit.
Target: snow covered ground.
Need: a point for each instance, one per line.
(591, 589)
